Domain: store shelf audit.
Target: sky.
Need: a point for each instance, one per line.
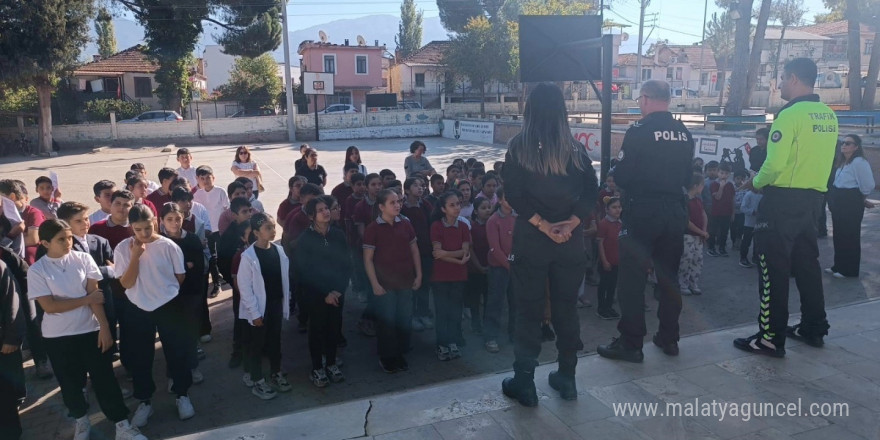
(680, 21)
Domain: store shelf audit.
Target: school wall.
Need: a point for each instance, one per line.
(709, 145)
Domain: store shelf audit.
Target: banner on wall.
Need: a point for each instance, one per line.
(476, 131)
(591, 140)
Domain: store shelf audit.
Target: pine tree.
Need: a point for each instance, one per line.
(39, 41)
(409, 35)
(106, 33)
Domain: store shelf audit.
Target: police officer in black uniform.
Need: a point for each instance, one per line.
(654, 168)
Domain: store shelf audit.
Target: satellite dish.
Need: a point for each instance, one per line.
(361, 41)
(323, 36)
(624, 36)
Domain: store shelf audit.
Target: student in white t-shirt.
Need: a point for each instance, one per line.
(251, 194)
(186, 170)
(215, 200)
(151, 269)
(75, 330)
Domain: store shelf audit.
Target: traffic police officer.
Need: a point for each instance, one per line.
(794, 177)
(654, 168)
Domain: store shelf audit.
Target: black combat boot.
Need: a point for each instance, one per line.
(521, 387)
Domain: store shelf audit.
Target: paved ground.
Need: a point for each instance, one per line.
(729, 299)
(827, 393)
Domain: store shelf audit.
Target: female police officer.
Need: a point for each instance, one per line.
(550, 182)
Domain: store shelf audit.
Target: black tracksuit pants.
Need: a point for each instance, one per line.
(847, 210)
(607, 287)
(75, 356)
(12, 390)
(653, 230)
(324, 330)
(785, 239)
(535, 260)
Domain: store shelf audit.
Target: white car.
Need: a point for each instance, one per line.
(155, 116)
(339, 108)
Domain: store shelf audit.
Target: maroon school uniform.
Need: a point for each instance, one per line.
(451, 238)
(347, 215)
(297, 222)
(695, 214)
(284, 209)
(724, 205)
(158, 199)
(341, 192)
(32, 218)
(480, 240)
(609, 231)
(150, 205)
(420, 217)
(393, 260)
(363, 215)
(112, 232)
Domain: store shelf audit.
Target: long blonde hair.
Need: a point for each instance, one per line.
(545, 145)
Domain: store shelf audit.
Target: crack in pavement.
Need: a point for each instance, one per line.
(367, 418)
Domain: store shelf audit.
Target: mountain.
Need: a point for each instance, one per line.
(372, 27)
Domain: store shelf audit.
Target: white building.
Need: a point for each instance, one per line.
(217, 66)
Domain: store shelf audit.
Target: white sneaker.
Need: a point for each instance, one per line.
(185, 408)
(279, 382)
(262, 390)
(124, 431)
(197, 376)
(246, 378)
(205, 339)
(838, 275)
(829, 270)
(83, 428)
(142, 415)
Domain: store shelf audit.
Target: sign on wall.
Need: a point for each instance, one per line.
(476, 131)
(317, 83)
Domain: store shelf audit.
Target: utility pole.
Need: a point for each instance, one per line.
(288, 81)
(642, 5)
(702, 50)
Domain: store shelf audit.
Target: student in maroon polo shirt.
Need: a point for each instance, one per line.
(607, 232)
(451, 240)
(418, 211)
(161, 196)
(477, 288)
(394, 268)
(365, 213)
(294, 184)
(137, 184)
(115, 228)
(344, 189)
(358, 277)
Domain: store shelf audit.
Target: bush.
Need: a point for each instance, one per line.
(99, 109)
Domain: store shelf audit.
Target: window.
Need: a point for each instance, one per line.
(420, 80)
(329, 63)
(869, 45)
(669, 73)
(360, 62)
(111, 85)
(646, 74)
(678, 73)
(339, 98)
(143, 87)
(704, 78)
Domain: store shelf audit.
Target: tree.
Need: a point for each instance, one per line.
(39, 41)
(172, 29)
(475, 54)
(254, 82)
(456, 14)
(719, 36)
(106, 33)
(409, 32)
(757, 48)
(856, 12)
(741, 51)
(787, 13)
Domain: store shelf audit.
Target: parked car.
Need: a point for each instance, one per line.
(254, 112)
(339, 108)
(155, 116)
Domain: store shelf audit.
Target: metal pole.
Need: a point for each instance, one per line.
(288, 81)
(317, 137)
(607, 48)
(642, 6)
(702, 49)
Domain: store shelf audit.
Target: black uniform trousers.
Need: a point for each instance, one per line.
(74, 356)
(653, 230)
(607, 287)
(535, 260)
(12, 391)
(785, 239)
(394, 315)
(324, 330)
(847, 210)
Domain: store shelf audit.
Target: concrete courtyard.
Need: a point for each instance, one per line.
(729, 300)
